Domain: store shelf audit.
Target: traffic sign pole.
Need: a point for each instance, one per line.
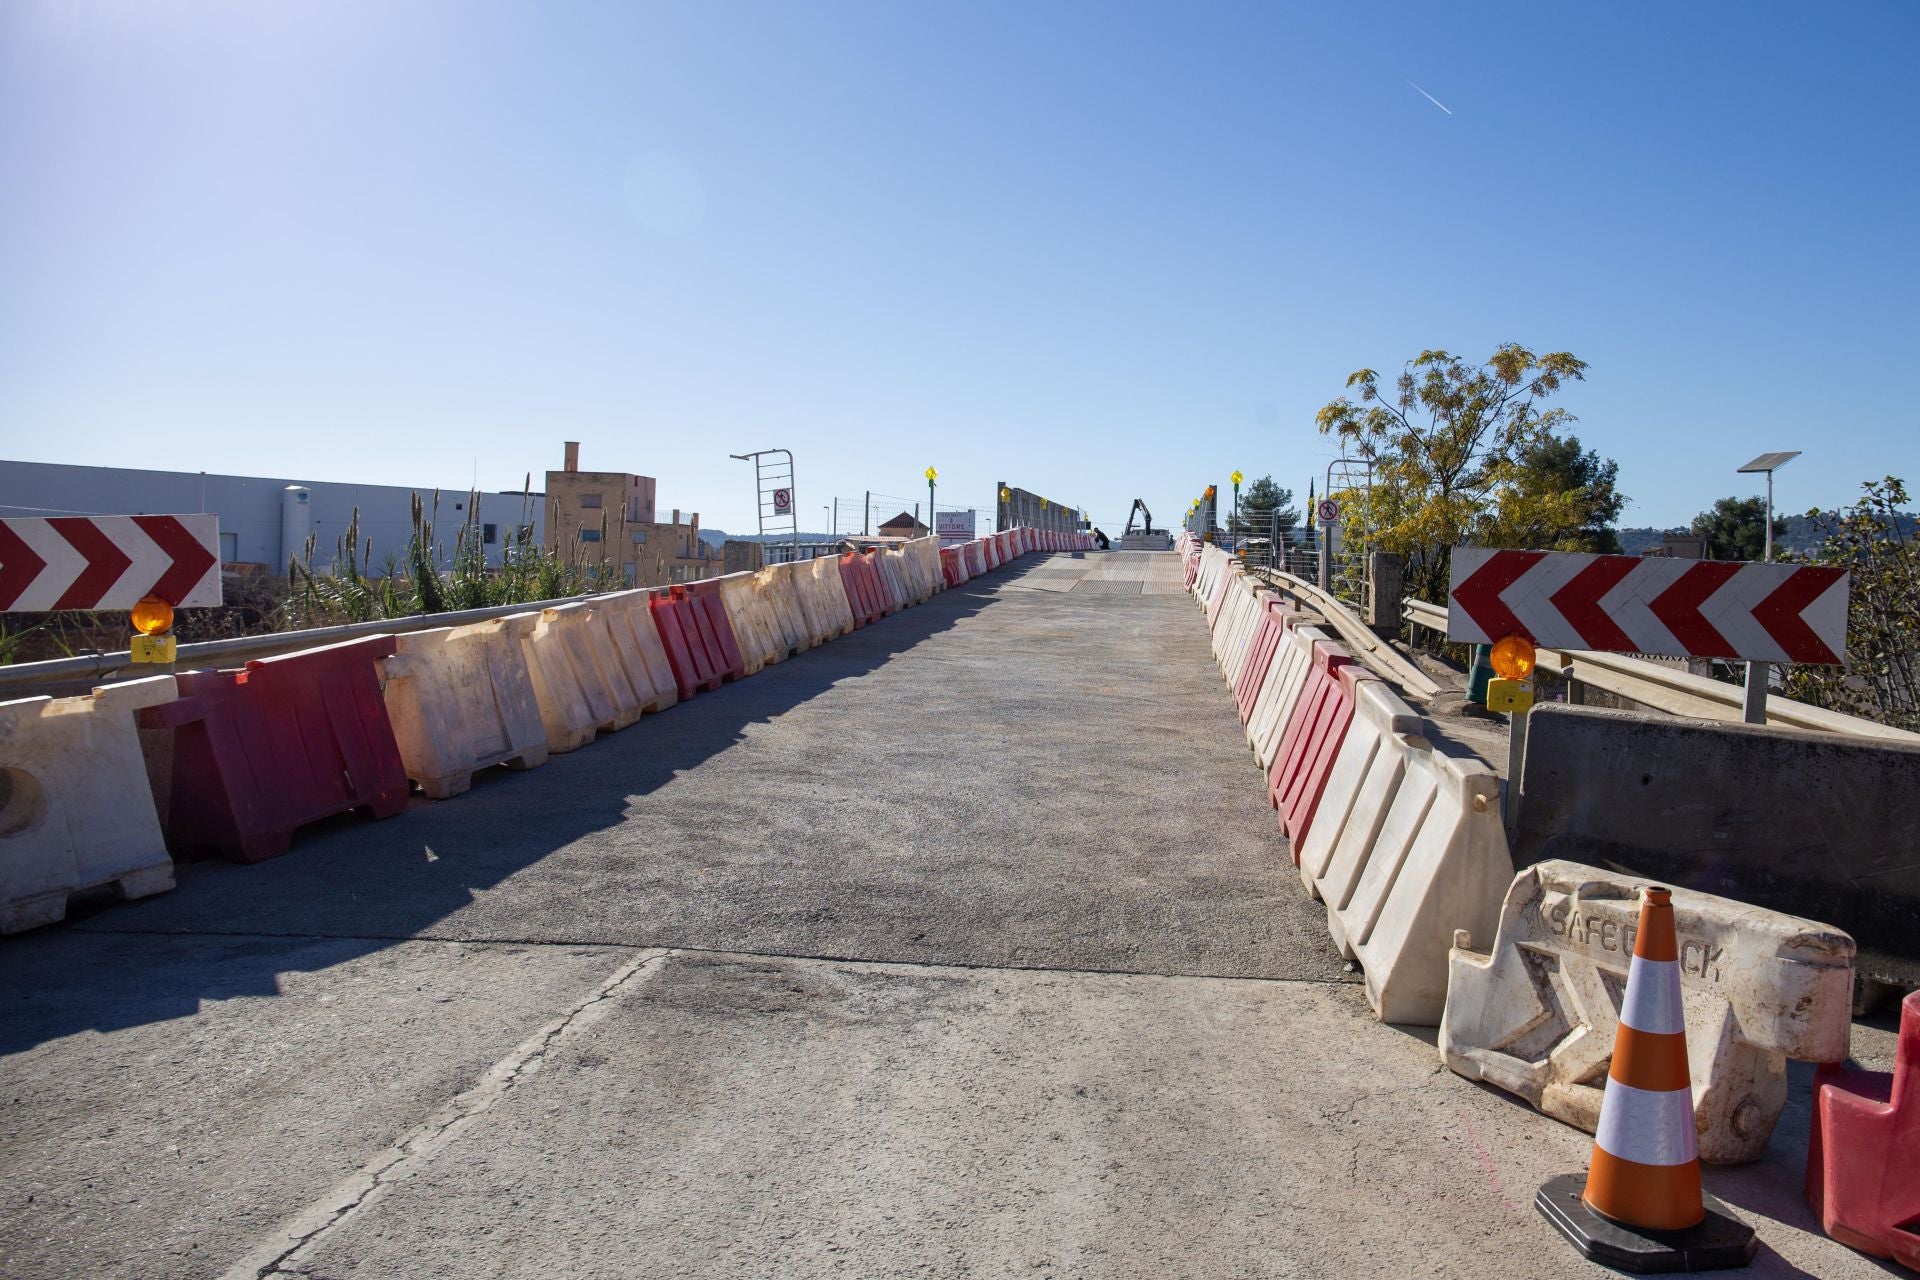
(1329, 513)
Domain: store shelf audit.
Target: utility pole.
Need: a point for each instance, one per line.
(866, 515)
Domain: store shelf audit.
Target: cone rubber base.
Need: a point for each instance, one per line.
(1720, 1242)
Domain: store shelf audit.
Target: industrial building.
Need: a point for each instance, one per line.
(265, 520)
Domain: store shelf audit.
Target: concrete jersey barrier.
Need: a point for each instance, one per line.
(80, 811)
(1537, 1013)
(461, 700)
(1698, 805)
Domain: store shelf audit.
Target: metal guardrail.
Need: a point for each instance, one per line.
(19, 679)
(1675, 691)
(1369, 648)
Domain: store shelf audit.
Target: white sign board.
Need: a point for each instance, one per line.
(954, 527)
(783, 500)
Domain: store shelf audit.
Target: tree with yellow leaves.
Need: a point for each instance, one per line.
(1468, 454)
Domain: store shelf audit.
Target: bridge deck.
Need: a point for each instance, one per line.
(965, 945)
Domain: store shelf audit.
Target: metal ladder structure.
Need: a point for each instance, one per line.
(775, 501)
(1349, 568)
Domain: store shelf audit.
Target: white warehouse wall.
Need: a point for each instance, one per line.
(249, 507)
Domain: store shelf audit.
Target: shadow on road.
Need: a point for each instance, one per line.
(350, 887)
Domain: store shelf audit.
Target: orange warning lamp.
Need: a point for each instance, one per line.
(1512, 657)
(152, 616)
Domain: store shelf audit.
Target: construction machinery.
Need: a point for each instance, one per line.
(1148, 538)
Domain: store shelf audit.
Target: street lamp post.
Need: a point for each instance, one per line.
(932, 475)
(1753, 707)
(1236, 477)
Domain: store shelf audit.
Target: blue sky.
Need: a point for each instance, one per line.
(1098, 249)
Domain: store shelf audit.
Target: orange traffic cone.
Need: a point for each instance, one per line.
(1640, 1207)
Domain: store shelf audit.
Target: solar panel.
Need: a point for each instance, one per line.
(1771, 461)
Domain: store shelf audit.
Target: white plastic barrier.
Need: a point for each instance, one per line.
(1213, 562)
(1537, 1015)
(755, 630)
(1266, 702)
(776, 588)
(78, 810)
(1234, 609)
(824, 596)
(628, 619)
(893, 578)
(576, 677)
(461, 699)
(1274, 709)
(1435, 861)
(926, 555)
(1251, 607)
(1360, 787)
(1234, 598)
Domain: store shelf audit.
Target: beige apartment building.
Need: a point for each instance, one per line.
(608, 517)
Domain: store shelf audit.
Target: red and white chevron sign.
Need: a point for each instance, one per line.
(1650, 604)
(108, 562)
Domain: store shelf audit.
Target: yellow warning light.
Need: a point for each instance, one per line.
(152, 616)
(1043, 504)
(932, 475)
(1236, 477)
(1006, 495)
(1512, 657)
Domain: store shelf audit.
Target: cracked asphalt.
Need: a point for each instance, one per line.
(963, 946)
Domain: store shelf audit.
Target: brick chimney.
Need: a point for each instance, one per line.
(573, 456)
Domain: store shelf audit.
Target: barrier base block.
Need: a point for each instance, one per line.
(1720, 1243)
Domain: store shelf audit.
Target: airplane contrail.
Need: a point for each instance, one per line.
(1430, 98)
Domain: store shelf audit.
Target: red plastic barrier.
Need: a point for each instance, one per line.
(263, 751)
(1267, 636)
(1863, 1156)
(854, 571)
(1192, 569)
(976, 558)
(717, 628)
(952, 568)
(1312, 739)
(695, 665)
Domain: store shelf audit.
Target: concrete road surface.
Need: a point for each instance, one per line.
(963, 946)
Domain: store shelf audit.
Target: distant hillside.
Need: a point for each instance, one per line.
(719, 536)
(1800, 537)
